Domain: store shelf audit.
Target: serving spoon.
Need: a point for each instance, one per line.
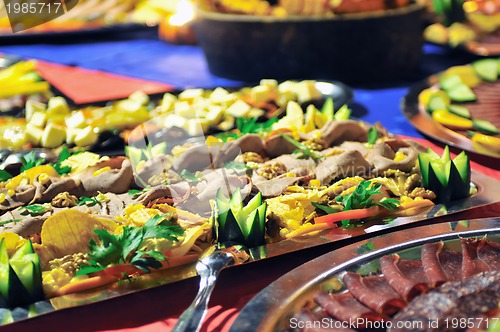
(208, 269)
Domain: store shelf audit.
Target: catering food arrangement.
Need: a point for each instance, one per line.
(470, 25)
(459, 102)
(247, 154)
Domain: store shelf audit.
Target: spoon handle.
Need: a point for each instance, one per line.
(192, 319)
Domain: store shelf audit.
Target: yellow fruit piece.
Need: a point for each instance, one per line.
(451, 120)
(30, 175)
(467, 75)
(486, 144)
(400, 156)
(12, 241)
(69, 231)
(101, 170)
(425, 96)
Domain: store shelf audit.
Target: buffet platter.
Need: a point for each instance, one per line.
(271, 169)
(288, 304)
(466, 120)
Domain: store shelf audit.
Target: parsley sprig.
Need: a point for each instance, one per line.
(36, 209)
(111, 249)
(4, 175)
(304, 151)
(361, 198)
(372, 135)
(89, 201)
(65, 154)
(30, 160)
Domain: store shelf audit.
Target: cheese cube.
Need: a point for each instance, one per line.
(57, 105)
(190, 94)
(34, 134)
(71, 134)
(184, 109)
(215, 114)
(38, 119)
(53, 136)
(239, 109)
(76, 120)
(32, 107)
(218, 95)
(167, 102)
(85, 137)
(272, 84)
(260, 93)
(306, 91)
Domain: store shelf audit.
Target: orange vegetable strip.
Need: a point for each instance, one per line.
(309, 229)
(87, 284)
(349, 214)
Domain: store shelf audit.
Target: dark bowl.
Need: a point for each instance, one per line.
(354, 48)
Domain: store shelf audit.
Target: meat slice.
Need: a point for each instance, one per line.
(471, 263)
(345, 307)
(440, 265)
(465, 299)
(349, 163)
(489, 253)
(405, 276)
(374, 292)
(316, 321)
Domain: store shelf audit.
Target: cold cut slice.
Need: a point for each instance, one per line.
(405, 277)
(345, 307)
(440, 265)
(471, 264)
(374, 292)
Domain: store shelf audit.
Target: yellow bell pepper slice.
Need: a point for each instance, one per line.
(486, 144)
(451, 120)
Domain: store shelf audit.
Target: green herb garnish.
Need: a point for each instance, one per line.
(125, 248)
(30, 160)
(251, 126)
(304, 151)
(35, 209)
(5, 222)
(65, 154)
(89, 201)
(372, 135)
(323, 207)
(361, 198)
(4, 175)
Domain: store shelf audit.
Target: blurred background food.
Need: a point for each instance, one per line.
(284, 8)
(465, 21)
(98, 13)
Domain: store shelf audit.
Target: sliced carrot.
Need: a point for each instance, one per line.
(86, 284)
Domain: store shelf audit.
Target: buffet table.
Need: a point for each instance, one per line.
(142, 55)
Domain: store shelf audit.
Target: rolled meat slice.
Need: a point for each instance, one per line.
(374, 292)
(317, 321)
(406, 277)
(440, 265)
(488, 252)
(471, 264)
(345, 307)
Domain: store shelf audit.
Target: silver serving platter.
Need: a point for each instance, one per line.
(273, 308)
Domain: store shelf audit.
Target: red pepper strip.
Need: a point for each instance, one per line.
(373, 211)
(331, 219)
